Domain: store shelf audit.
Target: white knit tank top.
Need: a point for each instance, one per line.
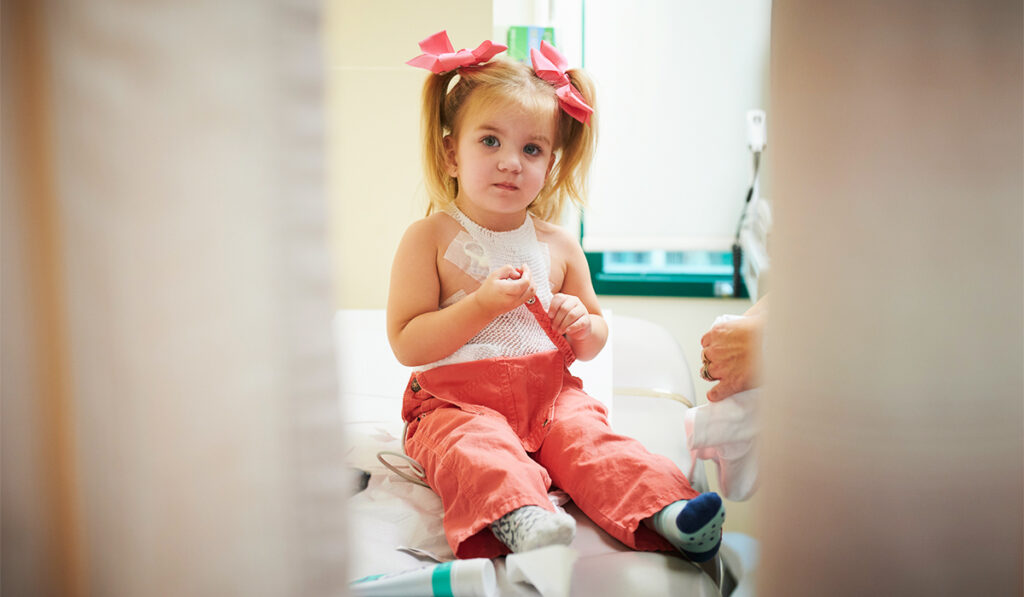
(479, 251)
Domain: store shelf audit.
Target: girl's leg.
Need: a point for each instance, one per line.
(612, 478)
(478, 467)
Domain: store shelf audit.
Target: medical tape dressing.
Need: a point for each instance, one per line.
(469, 256)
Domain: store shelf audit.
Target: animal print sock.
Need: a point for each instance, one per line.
(531, 527)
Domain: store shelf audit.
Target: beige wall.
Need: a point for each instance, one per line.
(373, 151)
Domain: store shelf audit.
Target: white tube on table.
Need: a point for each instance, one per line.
(460, 578)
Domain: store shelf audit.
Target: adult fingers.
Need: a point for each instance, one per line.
(711, 335)
(721, 391)
(715, 370)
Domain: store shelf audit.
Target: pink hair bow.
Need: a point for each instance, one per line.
(440, 57)
(550, 65)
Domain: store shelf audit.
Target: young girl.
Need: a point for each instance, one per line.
(491, 302)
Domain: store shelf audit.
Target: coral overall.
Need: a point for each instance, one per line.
(494, 434)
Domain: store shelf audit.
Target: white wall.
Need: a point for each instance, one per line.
(675, 81)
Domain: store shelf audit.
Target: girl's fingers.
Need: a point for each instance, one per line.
(577, 320)
(521, 289)
(507, 272)
(558, 322)
(577, 325)
(556, 303)
(570, 319)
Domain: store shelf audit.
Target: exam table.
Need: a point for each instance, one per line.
(395, 525)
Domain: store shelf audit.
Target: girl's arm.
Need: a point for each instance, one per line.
(575, 311)
(418, 330)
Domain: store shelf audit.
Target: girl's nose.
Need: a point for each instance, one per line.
(509, 161)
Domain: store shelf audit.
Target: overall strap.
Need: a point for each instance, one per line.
(545, 323)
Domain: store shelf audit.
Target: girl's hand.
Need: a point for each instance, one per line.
(505, 289)
(569, 316)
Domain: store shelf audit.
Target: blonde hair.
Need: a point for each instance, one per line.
(504, 80)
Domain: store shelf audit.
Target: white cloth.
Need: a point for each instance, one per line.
(724, 432)
(479, 251)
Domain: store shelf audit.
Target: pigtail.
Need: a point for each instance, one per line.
(440, 187)
(568, 179)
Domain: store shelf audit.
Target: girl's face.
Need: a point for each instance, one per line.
(501, 157)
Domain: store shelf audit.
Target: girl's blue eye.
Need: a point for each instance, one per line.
(490, 141)
(532, 149)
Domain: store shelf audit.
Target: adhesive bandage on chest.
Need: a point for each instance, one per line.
(469, 256)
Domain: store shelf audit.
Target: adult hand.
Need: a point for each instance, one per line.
(732, 356)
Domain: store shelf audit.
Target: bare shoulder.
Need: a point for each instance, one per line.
(556, 236)
(415, 282)
(432, 229)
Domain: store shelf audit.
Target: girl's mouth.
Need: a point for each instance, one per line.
(507, 186)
